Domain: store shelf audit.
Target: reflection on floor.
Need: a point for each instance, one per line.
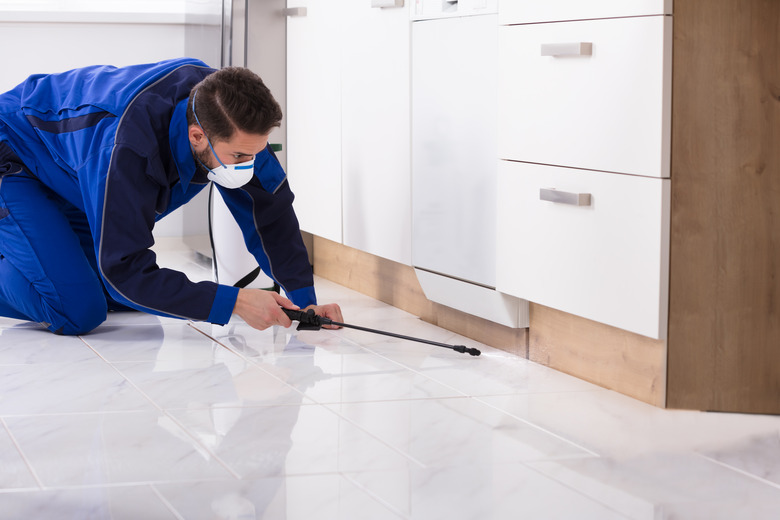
(150, 418)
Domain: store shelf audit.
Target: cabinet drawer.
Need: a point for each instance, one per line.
(606, 261)
(609, 111)
(534, 11)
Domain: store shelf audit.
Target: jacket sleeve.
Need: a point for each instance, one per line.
(263, 210)
(122, 220)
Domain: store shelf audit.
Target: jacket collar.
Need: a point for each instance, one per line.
(178, 136)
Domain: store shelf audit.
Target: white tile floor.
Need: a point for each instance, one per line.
(152, 418)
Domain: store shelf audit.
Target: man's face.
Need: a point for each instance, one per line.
(242, 147)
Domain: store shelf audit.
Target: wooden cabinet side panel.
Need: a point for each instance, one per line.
(628, 363)
(724, 327)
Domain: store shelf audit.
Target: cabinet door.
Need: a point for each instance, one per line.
(376, 130)
(606, 261)
(454, 75)
(314, 115)
(607, 109)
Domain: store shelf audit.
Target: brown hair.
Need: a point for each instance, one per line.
(233, 98)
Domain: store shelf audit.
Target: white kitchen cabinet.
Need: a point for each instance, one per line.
(534, 11)
(348, 124)
(454, 78)
(314, 115)
(375, 132)
(454, 111)
(591, 94)
(584, 137)
(606, 260)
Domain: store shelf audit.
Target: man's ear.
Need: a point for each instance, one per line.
(197, 137)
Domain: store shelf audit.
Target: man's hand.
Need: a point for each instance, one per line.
(261, 309)
(331, 311)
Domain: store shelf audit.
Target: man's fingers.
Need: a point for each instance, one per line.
(282, 318)
(284, 302)
(331, 311)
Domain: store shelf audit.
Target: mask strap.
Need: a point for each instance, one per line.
(204, 132)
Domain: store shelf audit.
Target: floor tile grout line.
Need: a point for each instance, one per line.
(374, 496)
(536, 426)
(13, 491)
(738, 470)
(186, 430)
(166, 502)
(408, 456)
(572, 488)
(318, 403)
(129, 381)
(70, 414)
(163, 411)
(329, 402)
(246, 359)
(22, 455)
(128, 484)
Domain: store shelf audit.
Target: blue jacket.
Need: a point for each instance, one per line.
(114, 143)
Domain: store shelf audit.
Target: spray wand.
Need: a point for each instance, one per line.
(307, 320)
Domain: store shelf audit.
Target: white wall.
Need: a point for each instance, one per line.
(49, 42)
(45, 42)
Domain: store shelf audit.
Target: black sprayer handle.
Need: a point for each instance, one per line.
(307, 320)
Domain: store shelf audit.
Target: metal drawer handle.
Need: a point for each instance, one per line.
(567, 49)
(295, 11)
(387, 3)
(564, 197)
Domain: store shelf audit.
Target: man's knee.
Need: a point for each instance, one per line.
(82, 317)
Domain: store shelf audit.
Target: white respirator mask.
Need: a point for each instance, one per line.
(233, 175)
(229, 176)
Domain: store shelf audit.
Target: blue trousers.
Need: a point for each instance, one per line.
(48, 271)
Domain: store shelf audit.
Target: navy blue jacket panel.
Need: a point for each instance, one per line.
(114, 143)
